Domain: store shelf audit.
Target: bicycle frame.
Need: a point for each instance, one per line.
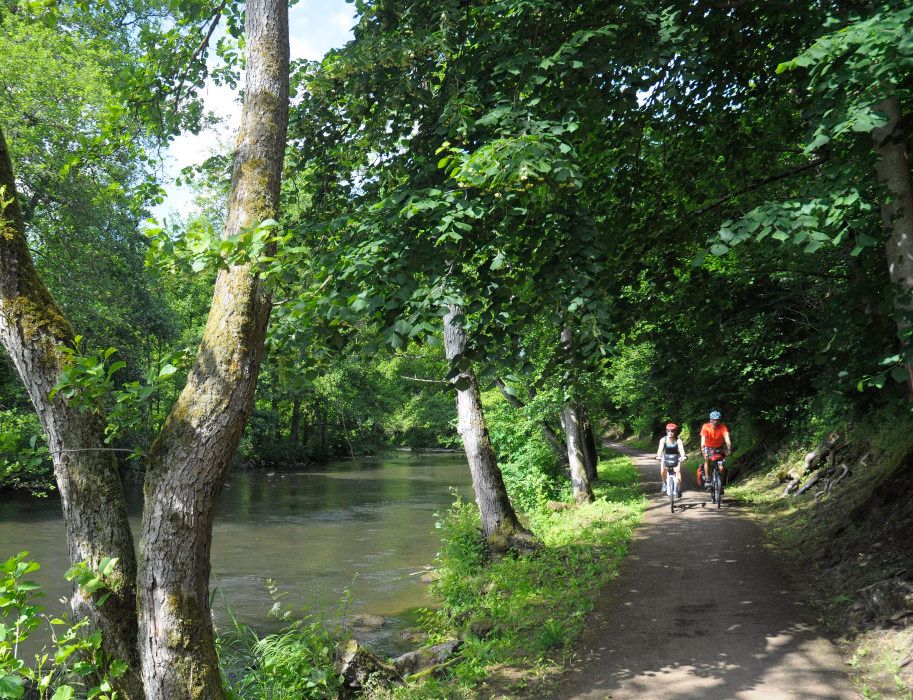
(715, 479)
(670, 464)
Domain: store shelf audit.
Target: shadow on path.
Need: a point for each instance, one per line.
(702, 610)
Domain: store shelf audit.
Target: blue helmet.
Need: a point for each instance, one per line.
(715, 415)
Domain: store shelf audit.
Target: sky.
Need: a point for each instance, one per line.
(315, 27)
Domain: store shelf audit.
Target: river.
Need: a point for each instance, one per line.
(366, 526)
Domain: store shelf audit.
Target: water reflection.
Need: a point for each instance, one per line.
(366, 526)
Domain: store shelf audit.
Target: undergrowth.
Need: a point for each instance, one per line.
(519, 616)
(295, 662)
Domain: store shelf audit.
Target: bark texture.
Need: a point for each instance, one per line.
(583, 493)
(588, 442)
(893, 170)
(33, 329)
(500, 525)
(189, 461)
(570, 420)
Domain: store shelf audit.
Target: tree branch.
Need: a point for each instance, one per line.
(429, 381)
(216, 17)
(757, 184)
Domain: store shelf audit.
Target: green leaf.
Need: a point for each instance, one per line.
(118, 668)
(11, 687)
(64, 692)
(899, 374)
(167, 371)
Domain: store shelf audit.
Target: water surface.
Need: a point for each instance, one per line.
(367, 527)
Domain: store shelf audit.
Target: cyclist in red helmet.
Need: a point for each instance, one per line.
(671, 454)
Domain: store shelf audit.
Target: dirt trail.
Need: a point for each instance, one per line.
(702, 610)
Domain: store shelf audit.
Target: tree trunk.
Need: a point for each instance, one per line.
(893, 170)
(305, 429)
(322, 430)
(551, 437)
(190, 459)
(590, 456)
(33, 330)
(500, 525)
(294, 423)
(583, 493)
(277, 423)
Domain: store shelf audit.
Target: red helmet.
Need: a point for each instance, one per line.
(671, 426)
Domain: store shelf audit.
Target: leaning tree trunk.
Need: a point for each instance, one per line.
(33, 330)
(500, 525)
(583, 493)
(588, 443)
(190, 459)
(893, 170)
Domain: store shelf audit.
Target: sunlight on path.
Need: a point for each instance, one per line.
(702, 610)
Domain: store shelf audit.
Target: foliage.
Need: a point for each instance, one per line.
(77, 663)
(24, 459)
(87, 382)
(297, 661)
(521, 611)
(527, 462)
(102, 579)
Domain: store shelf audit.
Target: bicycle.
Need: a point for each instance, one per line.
(715, 480)
(670, 461)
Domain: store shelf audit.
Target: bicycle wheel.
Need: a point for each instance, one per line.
(670, 487)
(717, 489)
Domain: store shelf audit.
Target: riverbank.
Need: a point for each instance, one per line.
(849, 540)
(520, 617)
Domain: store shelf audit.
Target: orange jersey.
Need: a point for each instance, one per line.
(714, 437)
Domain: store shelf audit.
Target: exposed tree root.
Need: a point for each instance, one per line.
(516, 540)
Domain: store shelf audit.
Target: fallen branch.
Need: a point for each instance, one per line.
(836, 480)
(791, 486)
(884, 580)
(808, 484)
(813, 458)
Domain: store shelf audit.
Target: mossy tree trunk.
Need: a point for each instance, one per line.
(500, 525)
(33, 330)
(190, 459)
(893, 170)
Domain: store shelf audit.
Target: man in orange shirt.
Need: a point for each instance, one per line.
(713, 436)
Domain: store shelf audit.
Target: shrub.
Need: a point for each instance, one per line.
(24, 459)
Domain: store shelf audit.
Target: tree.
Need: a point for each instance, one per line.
(500, 525)
(35, 334)
(190, 458)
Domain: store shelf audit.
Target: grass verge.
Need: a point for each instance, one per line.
(520, 616)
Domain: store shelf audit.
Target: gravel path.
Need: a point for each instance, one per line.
(702, 610)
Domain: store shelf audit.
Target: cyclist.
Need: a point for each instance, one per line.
(671, 450)
(714, 435)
